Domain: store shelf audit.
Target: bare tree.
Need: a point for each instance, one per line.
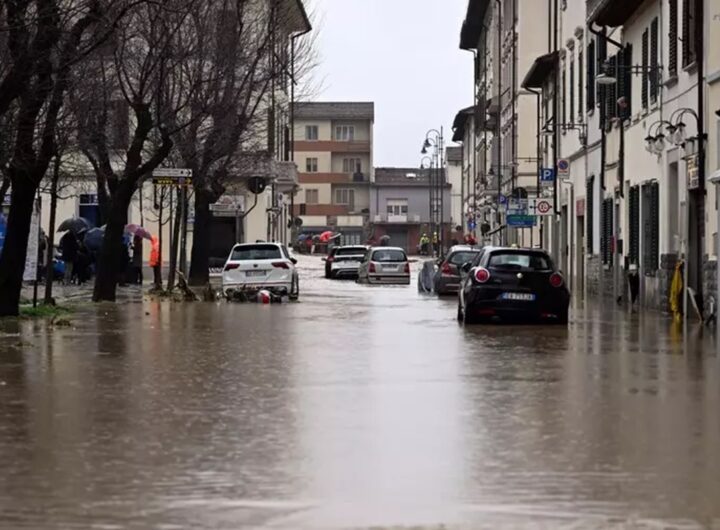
(232, 111)
(45, 39)
(143, 58)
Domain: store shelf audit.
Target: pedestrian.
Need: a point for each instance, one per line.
(424, 245)
(69, 247)
(136, 275)
(156, 262)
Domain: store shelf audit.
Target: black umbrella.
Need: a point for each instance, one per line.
(94, 238)
(74, 224)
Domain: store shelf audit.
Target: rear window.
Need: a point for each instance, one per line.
(351, 251)
(253, 252)
(389, 255)
(460, 258)
(519, 261)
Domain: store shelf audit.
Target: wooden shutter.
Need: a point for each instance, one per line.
(589, 214)
(654, 59)
(645, 63)
(572, 90)
(611, 92)
(673, 35)
(689, 27)
(607, 231)
(628, 77)
(654, 226)
(591, 76)
(634, 215)
(564, 97)
(580, 85)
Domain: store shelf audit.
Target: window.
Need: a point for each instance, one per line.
(397, 207)
(88, 208)
(645, 63)
(517, 261)
(344, 133)
(311, 165)
(564, 97)
(345, 196)
(311, 132)
(572, 90)
(589, 214)
(689, 30)
(611, 91)
(651, 227)
(654, 60)
(606, 241)
(673, 44)
(591, 76)
(389, 256)
(352, 165)
(634, 215)
(580, 85)
(312, 197)
(460, 258)
(254, 252)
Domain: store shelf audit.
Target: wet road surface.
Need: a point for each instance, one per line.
(359, 407)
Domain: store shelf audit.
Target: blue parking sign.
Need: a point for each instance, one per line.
(547, 175)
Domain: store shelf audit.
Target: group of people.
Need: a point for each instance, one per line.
(425, 249)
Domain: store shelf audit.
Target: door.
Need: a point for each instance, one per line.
(398, 238)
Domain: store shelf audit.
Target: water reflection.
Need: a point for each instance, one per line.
(355, 408)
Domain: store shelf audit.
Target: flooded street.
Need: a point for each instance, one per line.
(359, 407)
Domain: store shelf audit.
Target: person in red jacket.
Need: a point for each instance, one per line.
(156, 261)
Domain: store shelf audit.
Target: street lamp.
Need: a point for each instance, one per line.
(434, 140)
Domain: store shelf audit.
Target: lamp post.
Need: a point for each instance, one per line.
(434, 140)
(427, 159)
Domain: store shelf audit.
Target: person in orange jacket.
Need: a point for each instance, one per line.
(156, 261)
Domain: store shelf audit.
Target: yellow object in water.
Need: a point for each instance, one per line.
(676, 288)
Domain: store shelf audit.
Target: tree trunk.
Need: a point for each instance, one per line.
(4, 187)
(200, 258)
(174, 237)
(12, 261)
(103, 200)
(50, 250)
(110, 259)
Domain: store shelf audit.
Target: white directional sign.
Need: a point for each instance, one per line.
(172, 172)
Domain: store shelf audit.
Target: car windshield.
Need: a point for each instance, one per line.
(389, 255)
(460, 258)
(519, 261)
(253, 252)
(350, 251)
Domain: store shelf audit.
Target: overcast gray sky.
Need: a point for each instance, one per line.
(404, 56)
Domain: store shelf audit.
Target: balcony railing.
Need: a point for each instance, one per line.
(399, 219)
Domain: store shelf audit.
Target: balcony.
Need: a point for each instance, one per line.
(397, 219)
(611, 12)
(332, 146)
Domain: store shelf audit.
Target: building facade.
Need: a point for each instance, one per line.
(400, 206)
(454, 168)
(334, 153)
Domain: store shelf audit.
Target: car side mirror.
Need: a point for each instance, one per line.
(466, 267)
(294, 261)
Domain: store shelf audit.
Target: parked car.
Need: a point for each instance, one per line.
(447, 277)
(344, 262)
(261, 266)
(512, 283)
(388, 265)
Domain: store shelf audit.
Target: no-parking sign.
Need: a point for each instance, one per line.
(563, 168)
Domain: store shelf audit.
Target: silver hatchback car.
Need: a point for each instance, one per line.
(385, 265)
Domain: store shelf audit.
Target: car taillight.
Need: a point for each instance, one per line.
(556, 280)
(407, 268)
(482, 275)
(231, 266)
(280, 265)
(371, 268)
(446, 268)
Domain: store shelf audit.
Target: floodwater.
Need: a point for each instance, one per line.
(359, 407)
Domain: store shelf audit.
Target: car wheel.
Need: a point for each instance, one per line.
(295, 289)
(468, 319)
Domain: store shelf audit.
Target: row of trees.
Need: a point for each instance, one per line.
(122, 87)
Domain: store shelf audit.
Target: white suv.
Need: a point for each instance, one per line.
(261, 266)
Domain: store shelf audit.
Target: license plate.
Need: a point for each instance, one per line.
(390, 268)
(520, 297)
(347, 264)
(255, 273)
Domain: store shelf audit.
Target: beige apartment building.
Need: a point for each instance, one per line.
(333, 149)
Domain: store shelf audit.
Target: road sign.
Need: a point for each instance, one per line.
(31, 257)
(563, 168)
(543, 207)
(521, 221)
(172, 172)
(502, 199)
(171, 181)
(547, 176)
(517, 207)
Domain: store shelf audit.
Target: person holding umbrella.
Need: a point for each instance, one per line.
(155, 262)
(69, 247)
